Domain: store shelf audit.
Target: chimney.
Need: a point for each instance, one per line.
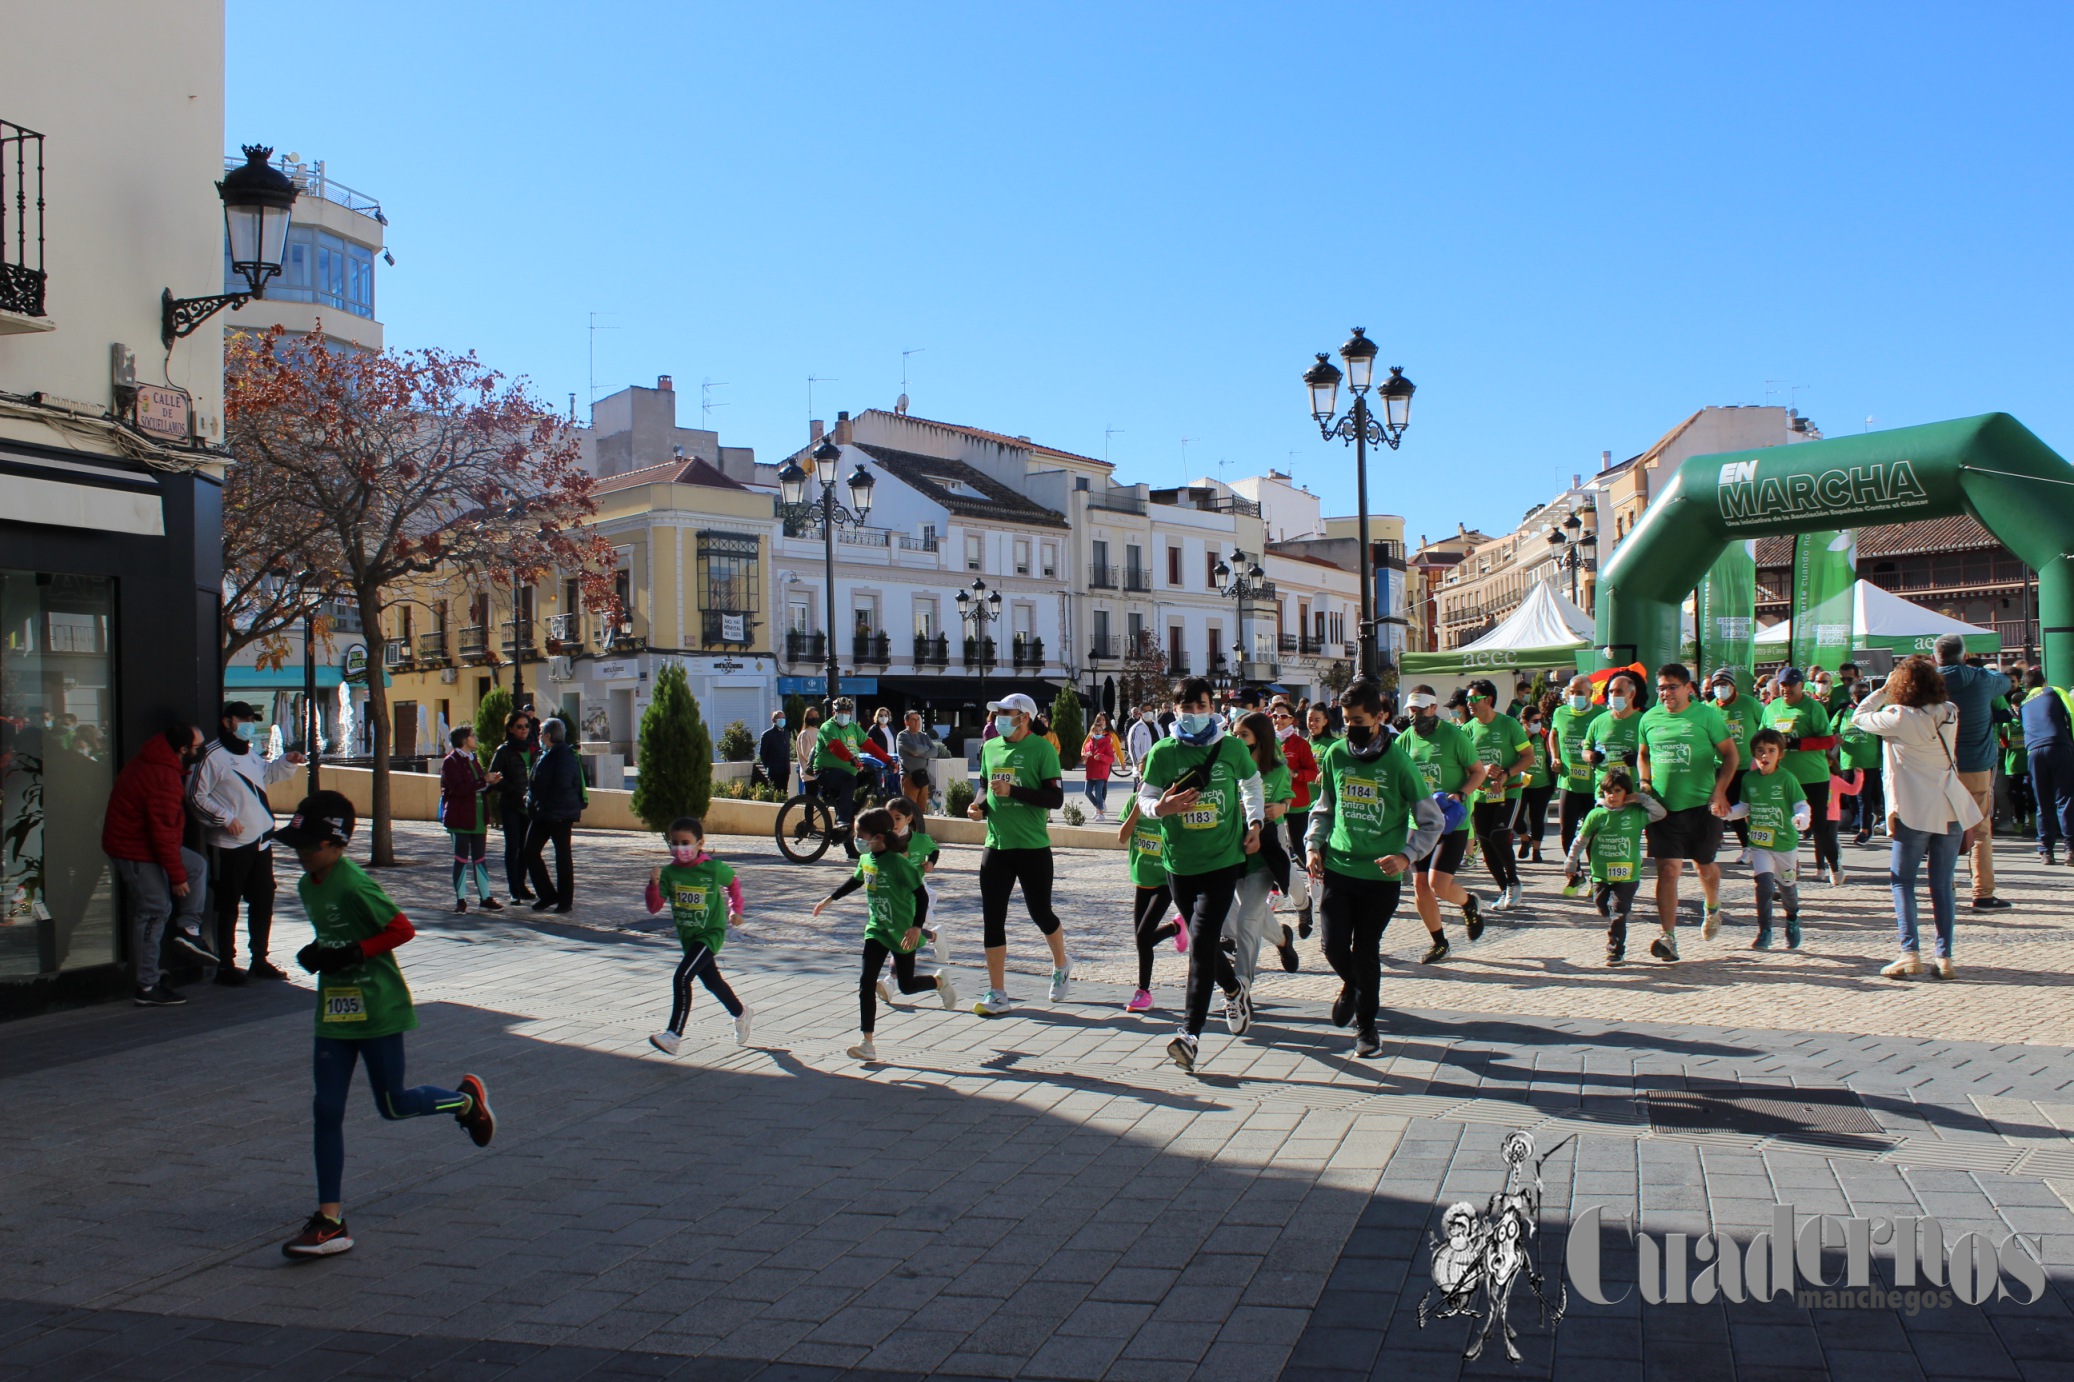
(1605, 460)
(662, 382)
(813, 431)
(842, 429)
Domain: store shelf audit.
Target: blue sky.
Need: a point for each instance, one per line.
(1571, 224)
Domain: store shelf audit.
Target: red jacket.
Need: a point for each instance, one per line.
(146, 810)
(1303, 770)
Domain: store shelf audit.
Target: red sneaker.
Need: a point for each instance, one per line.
(320, 1237)
(480, 1122)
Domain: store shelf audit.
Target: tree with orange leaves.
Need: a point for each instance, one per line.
(401, 464)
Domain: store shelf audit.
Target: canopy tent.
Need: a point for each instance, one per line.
(1880, 619)
(1546, 631)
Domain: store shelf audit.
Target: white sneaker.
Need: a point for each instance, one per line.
(742, 1026)
(1238, 1010)
(666, 1042)
(1181, 1050)
(992, 1003)
(863, 1051)
(885, 993)
(946, 992)
(1060, 979)
(1710, 922)
(942, 948)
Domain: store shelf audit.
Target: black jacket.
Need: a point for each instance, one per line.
(556, 793)
(510, 760)
(775, 750)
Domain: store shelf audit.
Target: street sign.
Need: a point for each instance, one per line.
(354, 665)
(165, 412)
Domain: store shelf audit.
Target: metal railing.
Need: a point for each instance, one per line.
(565, 630)
(1027, 652)
(932, 652)
(432, 646)
(981, 652)
(871, 649)
(927, 542)
(312, 181)
(474, 641)
(518, 637)
(22, 277)
(1137, 578)
(1103, 577)
(1261, 593)
(1116, 503)
(1177, 666)
(1104, 645)
(805, 647)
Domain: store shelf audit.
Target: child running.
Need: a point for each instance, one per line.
(1777, 809)
(1147, 845)
(363, 1010)
(703, 897)
(909, 839)
(1610, 837)
(890, 881)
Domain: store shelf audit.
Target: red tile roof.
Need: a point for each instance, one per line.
(1959, 533)
(689, 471)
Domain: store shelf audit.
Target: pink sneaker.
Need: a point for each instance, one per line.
(1141, 1002)
(1181, 935)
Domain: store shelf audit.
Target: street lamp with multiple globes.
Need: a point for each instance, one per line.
(792, 490)
(1241, 581)
(977, 608)
(1572, 549)
(1361, 427)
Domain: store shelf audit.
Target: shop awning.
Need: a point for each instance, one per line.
(283, 678)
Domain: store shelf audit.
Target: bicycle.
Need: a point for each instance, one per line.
(807, 826)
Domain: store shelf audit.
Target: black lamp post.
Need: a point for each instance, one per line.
(258, 203)
(792, 488)
(1239, 580)
(977, 608)
(1572, 549)
(1361, 427)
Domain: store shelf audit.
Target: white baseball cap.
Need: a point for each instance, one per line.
(1419, 700)
(1016, 702)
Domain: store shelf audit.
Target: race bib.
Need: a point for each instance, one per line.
(1201, 817)
(1762, 836)
(1580, 772)
(691, 899)
(1004, 778)
(344, 1005)
(1621, 872)
(1358, 791)
(1151, 845)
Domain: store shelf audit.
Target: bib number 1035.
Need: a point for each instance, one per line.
(344, 1005)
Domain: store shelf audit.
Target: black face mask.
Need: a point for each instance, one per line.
(1424, 723)
(1367, 741)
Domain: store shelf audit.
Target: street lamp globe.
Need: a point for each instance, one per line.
(1573, 523)
(1359, 353)
(1397, 392)
(825, 455)
(994, 601)
(964, 601)
(1556, 539)
(861, 485)
(1221, 572)
(1254, 573)
(792, 484)
(1590, 540)
(1322, 379)
(258, 202)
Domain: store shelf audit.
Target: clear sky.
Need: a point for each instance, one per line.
(1571, 224)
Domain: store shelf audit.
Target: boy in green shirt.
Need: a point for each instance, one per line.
(1540, 788)
(839, 753)
(1146, 847)
(1610, 842)
(1803, 722)
(363, 1009)
(1024, 785)
(1857, 749)
(703, 897)
(1777, 810)
(1372, 816)
(891, 881)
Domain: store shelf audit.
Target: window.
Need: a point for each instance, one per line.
(799, 616)
(1024, 620)
(1102, 648)
(974, 551)
(1134, 561)
(727, 587)
(1210, 568)
(1216, 642)
(572, 595)
(623, 591)
(865, 615)
(1098, 554)
(1173, 566)
(1022, 556)
(925, 616)
(319, 268)
(1050, 554)
(1134, 626)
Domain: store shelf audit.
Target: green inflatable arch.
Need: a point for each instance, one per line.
(1990, 466)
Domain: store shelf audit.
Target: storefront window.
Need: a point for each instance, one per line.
(57, 715)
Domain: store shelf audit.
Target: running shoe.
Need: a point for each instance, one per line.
(1287, 949)
(322, 1236)
(864, 1051)
(1141, 1002)
(1436, 951)
(1303, 922)
(946, 991)
(1238, 1010)
(191, 941)
(1497, 902)
(1519, 893)
(1521, 852)
(1710, 923)
(942, 948)
(1535, 857)
(1181, 1050)
(480, 1122)
(1616, 953)
(157, 997)
(1792, 932)
(1665, 947)
(1764, 939)
(1343, 1006)
(489, 904)
(1180, 934)
(1863, 837)
(885, 993)
(1836, 878)
(1060, 979)
(460, 906)
(1472, 917)
(261, 969)
(665, 1041)
(992, 1003)
(742, 1026)
(1368, 1044)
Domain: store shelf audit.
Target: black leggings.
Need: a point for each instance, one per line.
(1152, 927)
(1492, 822)
(1770, 886)
(701, 964)
(875, 953)
(1614, 901)
(515, 826)
(1533, 822)
(1204, 899)
(1353, 912)
(1825, 828)
(561, 890)
(1576, 805)
(1000, 870)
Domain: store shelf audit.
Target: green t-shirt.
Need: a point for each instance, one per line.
(1148, 852)
(1682, 757)
(696, 895)
(921, 848)
(1810, 721)
(1614, 842)
(1211, 834)
(831, 732)
(2016, 761)
(1569, 726)
(1497, 744)
(891, 880)
(1771, 798)
(370, 999)
(1028, 762)
(1540, 774)
(1370, 804)
(1859, 748)
(1621, 741)
(1744, 717)
(1443, 760)
(1279, 787)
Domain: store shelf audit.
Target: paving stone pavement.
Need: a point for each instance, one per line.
(1034, 1196)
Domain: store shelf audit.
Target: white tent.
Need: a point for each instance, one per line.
(1543, 620)
(1880, 619)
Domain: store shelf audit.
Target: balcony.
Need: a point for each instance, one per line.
(1027, 653)
(1260, 595)
(871, 649)
(1138, 579)
(1106, 646)
(619, 637)
(980, 653)
(432, 646)
(1177, 664)
(927, 542)
(22, 278)
(518, 639)
(1116, 503)
(565, 631)
(1103, 577)
(474, 643)
(733, 628)
(1260, 671)
(932, 652)
(805, 647)
(396, 652)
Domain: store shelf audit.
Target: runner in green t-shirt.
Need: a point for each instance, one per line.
(1446, 761)
(703, 896)
(917, 846)
(1610, 844)
(1778, 810)
(1540, 789)
(1859, 751)
(1151, 918)
(1502, 747)
(1024, 785)
(838, 761)
(363, 1009)
(1372, 817)
(892, 882)
(1803, 721)
(1687, 761)
(1568, 754)
(1744, 716)
(1206, 792)
(1613, 740)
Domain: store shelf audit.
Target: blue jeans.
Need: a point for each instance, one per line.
(2052, 783)
(1098, 793)
(1910, 848)
(333, 1069)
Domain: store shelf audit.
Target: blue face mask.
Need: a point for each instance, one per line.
(1195, 722)
(1580, 703)
(1004, 725)
(248, 730)
(1617, 702)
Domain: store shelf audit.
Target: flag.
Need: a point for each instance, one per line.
(1726, 613)
(1825, 566)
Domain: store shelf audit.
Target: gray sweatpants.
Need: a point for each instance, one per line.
(151, 902)
(1251, 915)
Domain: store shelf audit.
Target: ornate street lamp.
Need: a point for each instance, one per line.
(792, 493)
(1240, 580)
(977, 608)
(258, 203)
(1361, 427)
(1571, 552)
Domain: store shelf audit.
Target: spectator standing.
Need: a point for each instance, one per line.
(2049, 755)
(1973, 691)
(513, 765)
(554, 803)
(774, 754)
(887, 738)
(1931, 814)
(804, 744)
(917, 749)
(161, 879)
(1861, 751)
(465, 813)
(1099, 753)
(1144, 734)
(227, 794)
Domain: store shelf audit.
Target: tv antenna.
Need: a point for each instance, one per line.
(812, 380)
(903, 367)
(1107, 433)
(706, 403)
(1184, 457)
(595, 329)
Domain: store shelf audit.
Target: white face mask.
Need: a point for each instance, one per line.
(1616, 702)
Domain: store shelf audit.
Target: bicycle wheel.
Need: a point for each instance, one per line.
(806, 825)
